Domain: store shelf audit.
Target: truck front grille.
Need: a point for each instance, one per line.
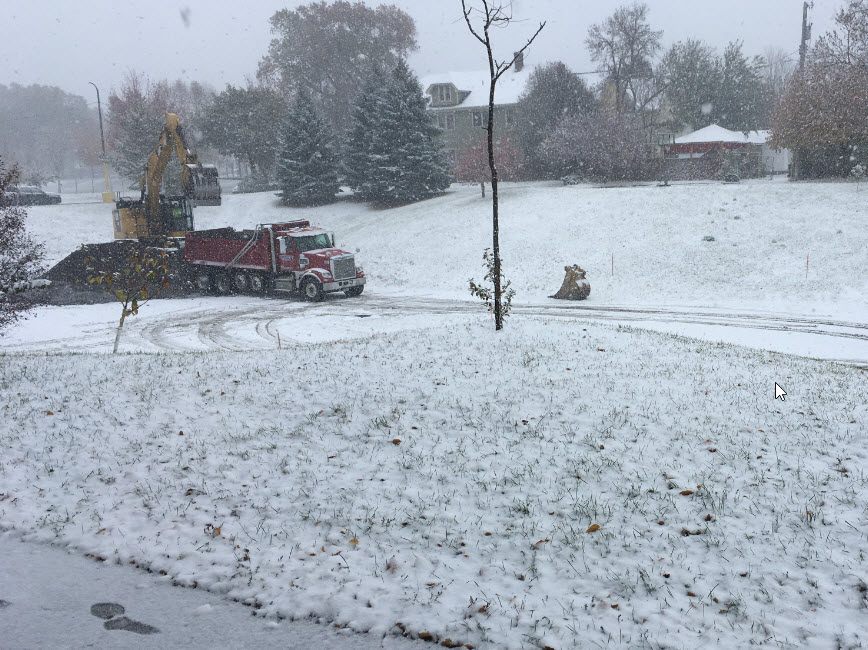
(344, 268)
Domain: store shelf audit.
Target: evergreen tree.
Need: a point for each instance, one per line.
(307, 164)
(365, 115)
(406, 150)
(704, 88)
(692, 75)
(740, 99)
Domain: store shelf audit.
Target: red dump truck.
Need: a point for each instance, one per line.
(287, 257)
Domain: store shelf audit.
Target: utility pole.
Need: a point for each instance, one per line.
(107, 196)
(806, 36)
(803, 53)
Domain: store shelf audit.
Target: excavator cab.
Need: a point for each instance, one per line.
(173, 219)
(176, 215)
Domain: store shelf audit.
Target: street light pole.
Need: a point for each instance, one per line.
(107, 196)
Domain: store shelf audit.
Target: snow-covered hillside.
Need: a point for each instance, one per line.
(763, 232)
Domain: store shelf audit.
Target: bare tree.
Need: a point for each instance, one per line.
(624, 45)
(493, 15)
(600, 147)
(847, 44)
(778, 70)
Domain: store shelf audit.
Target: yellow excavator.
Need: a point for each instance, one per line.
(154, 216)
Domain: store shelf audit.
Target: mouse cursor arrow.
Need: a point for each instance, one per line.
(779, 392)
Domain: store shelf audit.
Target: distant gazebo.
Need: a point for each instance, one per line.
(706, 154)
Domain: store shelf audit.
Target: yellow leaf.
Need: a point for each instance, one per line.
(686, 492)
(593, 528)
(49, 413)
(354, 541)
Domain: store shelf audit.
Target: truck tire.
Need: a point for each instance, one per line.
(311, 289)
(223, 284)
(203, 281)
(257, 283)
(241, 280)
(353, 292)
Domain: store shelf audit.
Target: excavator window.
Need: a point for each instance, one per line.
(177, 214)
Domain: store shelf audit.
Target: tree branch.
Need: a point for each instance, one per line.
(466, 12)
(520, 52)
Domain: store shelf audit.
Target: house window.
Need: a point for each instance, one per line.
(441, 121)
(480, 118)
(508, 117)
(445, 93)
(450, 121)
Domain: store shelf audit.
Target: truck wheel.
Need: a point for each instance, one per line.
(223, 284)
(312, 291)
(352, 292)
(257, 283)
(203, 281)
(242, 281)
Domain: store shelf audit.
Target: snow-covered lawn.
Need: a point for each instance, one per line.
(445, 482)
(413, 472)
(763, 232)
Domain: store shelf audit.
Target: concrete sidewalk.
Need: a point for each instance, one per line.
(47, 599)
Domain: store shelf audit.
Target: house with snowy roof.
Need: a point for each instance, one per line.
(708, 152)
(459, 100)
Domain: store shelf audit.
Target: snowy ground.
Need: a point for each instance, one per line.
(446, 482)
(49, 593)
(396, 466)
(764, 230)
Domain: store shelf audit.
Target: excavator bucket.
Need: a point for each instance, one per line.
(203, 188)
(575, 285)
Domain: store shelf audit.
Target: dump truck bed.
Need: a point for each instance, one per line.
(221, 246)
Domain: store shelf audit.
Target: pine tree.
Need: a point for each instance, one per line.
(409, 164)
(137, 133)
(307, 168)
(365, 115)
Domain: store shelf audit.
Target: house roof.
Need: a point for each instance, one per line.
(716, 133)
(509, 87)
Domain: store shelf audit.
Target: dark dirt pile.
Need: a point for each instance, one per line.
(69, 285)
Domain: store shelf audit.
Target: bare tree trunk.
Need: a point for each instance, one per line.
(482, 185)
(494, 14)
(118, 333)
(495, 223)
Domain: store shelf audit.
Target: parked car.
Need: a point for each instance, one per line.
(28, 195)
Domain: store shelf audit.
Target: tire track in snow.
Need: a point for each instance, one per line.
(213, 330)
(254, 325)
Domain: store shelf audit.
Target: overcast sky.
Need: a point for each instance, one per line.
(69, 43)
